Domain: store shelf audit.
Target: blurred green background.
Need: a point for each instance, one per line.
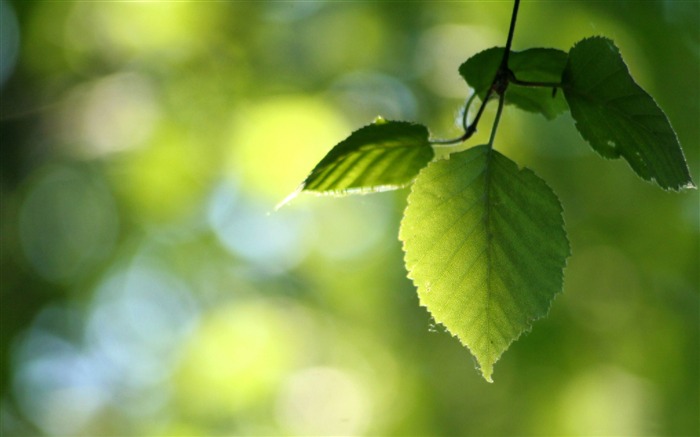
(148, 288)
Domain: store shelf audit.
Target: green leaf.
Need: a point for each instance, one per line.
(533, 65)
(485, 244)
(384, 155)
(618, 118)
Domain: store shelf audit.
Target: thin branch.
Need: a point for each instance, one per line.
(504, 74)
(501, 101)
(499, 84)
(465, 114)
(472, 127)
(449, 142)
(511, 31)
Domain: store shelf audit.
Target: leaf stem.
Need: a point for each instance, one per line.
(499, 84)
(465, 114)
(468, 130)
(511, 31)
(501, 102)
(472, 127)
(504, 74)
(535, 84)
(447, 142)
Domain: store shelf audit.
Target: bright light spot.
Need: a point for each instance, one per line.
(123, 30)
(68, 222)
(353, 37)
(67, 374)
(239, 356)
(273, 242)
(165, 179)
(9, 40)
(438, 57)
(138, 322)
(347, 228)
(57, 387)
(275, 144)
(68, 410)
(324, 401)
(365, 94)
(608, 402)
(117, 113)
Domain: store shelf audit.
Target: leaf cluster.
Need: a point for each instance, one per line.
(484, 240)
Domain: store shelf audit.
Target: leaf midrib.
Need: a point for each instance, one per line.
(489, 236)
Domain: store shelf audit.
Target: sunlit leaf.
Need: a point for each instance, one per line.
(382, 156)
(485, 244)
(533, 65)
(618, 118)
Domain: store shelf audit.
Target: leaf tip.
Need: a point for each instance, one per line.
(289, 198)
(690, 185)
(486, 371)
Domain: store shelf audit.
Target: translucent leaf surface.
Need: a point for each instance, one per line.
(382, 156)
(533, 65)
(618, 118)
(485, 244)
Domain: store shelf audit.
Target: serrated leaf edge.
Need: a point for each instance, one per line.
(690, 185)
(530, 321)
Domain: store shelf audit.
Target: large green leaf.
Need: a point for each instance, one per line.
(382, 156)
(618, 118)
(533, 65)
(485, 244)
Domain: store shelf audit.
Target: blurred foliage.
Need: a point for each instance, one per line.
(147, 289)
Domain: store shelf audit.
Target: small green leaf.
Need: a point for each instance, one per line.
(385, 155)
(533, 65)
(618, 118)
(485, 244)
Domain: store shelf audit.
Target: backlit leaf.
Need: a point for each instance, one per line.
(618, 118)
(533, 65)
(485, 244)
(382, 156)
